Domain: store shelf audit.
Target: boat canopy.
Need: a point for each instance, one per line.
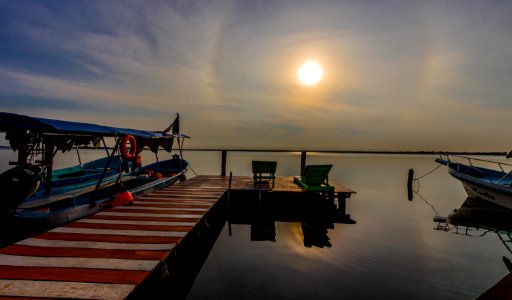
(64, 135)
(15, 122)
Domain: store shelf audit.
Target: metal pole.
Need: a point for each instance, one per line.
(48, 161)
(78, 154)
(108, 164)
(105, 146)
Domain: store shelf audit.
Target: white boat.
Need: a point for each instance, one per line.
(479, 179)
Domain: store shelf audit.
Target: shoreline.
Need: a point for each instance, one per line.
(408, 152)
(429, 152)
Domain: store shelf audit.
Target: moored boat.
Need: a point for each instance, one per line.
(76, 177)
(36, 197)
(481, 181)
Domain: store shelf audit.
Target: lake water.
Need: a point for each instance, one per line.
(392, 252)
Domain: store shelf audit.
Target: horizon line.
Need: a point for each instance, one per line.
(329, 151)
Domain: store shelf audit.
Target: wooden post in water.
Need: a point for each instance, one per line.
(224, 158)
(302, 162)
(409, 184)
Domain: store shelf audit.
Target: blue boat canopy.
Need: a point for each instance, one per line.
(15, 122)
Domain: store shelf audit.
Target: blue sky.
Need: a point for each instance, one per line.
(398, 75)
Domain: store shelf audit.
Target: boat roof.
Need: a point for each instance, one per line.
(13, 122)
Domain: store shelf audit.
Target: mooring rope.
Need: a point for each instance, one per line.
(417, 179)
(180, 148)
(190, 167)
(432, 206)
(429, 172)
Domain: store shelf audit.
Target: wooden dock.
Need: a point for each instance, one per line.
(111, 254)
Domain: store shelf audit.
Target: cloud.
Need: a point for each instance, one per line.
(229, 68)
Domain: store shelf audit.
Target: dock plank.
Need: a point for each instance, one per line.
(118, 232)
(95, 245)
(127, 217)
(154, 213)
(77, 262)
(73, 274)
(107, 221)
(57, 289)
(109, 238)
(130, 227)
(29, 250)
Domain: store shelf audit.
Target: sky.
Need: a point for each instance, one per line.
(398, 75)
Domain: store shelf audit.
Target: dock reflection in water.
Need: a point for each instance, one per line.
(315, 212)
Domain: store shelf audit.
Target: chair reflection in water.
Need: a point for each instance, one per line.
(264, 211)
(263, 171)
(263, 230)
(315, 178)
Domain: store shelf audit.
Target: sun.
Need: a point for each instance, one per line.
(310, 73)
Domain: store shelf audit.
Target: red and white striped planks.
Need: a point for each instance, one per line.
(106, 255)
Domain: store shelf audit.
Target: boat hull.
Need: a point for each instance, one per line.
(67, 180)
(479, 188)
(39, 219)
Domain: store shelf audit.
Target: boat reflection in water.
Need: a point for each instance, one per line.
(478, 218)
(316, 213)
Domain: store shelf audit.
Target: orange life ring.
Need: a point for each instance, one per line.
(128, 155)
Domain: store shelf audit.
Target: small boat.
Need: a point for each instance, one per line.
(78, 176)
(479, 179)
(36, 197)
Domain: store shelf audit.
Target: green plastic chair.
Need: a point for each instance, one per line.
(264, 170)
(315, 178)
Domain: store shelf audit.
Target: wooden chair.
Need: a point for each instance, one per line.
(315, 178)
(263, 170)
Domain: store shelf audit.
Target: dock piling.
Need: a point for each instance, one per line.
(224, 159)
(302, 162)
